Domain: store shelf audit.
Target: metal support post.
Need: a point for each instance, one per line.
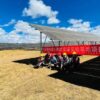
(41, 42)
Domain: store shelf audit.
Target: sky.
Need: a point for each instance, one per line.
(75, 15)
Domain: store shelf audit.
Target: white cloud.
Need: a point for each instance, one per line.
(2, 31)
(5, 37)
(25, 28)
(74, 21)
(22, 33)
(9, 23)
(37, 9)
(96, 30)
(79, 25)
(52, 20)
(82, 26)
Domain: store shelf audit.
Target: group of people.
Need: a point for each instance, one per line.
(61, 62)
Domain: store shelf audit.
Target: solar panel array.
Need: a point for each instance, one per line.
(66, 35)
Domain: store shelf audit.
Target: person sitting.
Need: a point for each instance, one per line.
(46, 59)
(66, 61)
(53, 61)
(65, 58)
(75, 60)
(40, 61)
(59, 63)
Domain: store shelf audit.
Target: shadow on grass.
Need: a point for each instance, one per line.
(87, 75)
(32, 61)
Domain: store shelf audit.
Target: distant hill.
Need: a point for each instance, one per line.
(5, 46)
(28, 46)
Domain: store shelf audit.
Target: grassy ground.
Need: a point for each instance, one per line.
(20, 81)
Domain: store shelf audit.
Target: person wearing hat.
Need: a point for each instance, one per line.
(40, 60)
(65, 62)
(75, 60)
(65, 57)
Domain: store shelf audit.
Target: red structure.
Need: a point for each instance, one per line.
(84, 43)
(79, 49)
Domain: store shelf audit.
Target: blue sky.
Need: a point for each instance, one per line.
(76, 15)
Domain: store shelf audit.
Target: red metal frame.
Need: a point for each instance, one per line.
(79, 49)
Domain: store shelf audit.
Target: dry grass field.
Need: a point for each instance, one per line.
(20, 81)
